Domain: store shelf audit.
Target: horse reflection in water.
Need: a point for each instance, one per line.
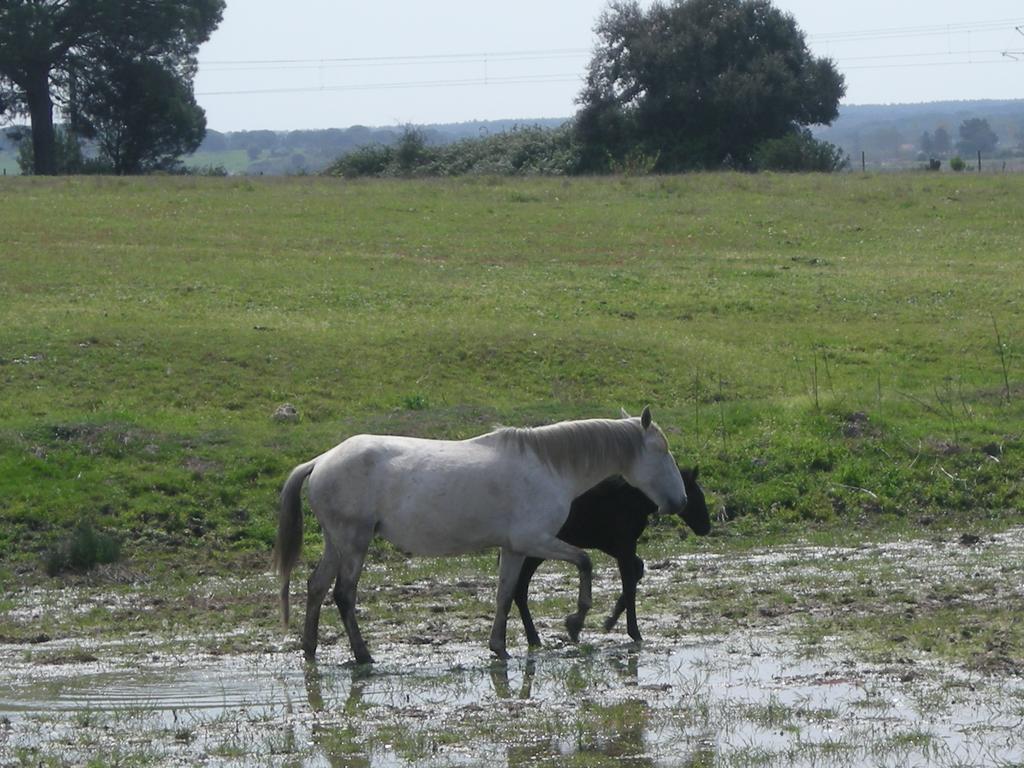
(511, 488)
(352, 702)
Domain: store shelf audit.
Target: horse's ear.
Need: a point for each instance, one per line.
(696, 471)
(622, 413)
(645, 417)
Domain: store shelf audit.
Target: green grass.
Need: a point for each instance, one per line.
(823, 346)
(231, 160)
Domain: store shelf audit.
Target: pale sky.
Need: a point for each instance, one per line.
(336, 63)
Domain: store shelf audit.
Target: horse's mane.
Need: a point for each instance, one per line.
(577, 444)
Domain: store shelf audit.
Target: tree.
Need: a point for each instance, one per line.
(976, 136)
(142, 115)
(68, 157)
(694, 83)
(926, 143)
(49, 50)
(941, 142)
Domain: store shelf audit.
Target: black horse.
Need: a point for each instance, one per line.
(610, 517)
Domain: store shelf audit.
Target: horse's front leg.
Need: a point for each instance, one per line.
(508, 578)
(629, 593)
(522, 598)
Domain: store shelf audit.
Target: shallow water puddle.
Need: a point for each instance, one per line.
(739, 668)
(739, 700)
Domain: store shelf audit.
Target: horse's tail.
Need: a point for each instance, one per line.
(289, 530)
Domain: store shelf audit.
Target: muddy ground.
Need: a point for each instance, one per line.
(900, 653)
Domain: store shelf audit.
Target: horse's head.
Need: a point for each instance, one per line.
(654, 471)
(695, 513)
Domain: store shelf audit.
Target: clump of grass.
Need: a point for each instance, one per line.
(82, 550)
(415, 402)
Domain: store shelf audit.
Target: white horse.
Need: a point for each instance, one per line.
(511, 488)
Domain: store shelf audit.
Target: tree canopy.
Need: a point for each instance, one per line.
(84, 56)
(699, 83)
(976, 135)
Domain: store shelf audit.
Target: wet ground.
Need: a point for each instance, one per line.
(897, 654)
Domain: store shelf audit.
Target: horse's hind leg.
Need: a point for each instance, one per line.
(631, 570)
(316, 590)
(574, 621)
(350, 568)
(620, 606)
(509, 568)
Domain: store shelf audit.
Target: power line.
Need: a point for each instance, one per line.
(929, 64)
(538, 79)
(435, 58)
(995, 25)
(517, 80)
(487, 58)
(969, 52)
(1014, 54)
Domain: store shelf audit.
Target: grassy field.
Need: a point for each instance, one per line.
(837, 352)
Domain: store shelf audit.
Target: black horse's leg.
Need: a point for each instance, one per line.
(625, 563)
(629, 592)
(553, 548)
(522, 598)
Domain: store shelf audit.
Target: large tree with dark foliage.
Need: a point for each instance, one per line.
(142, 115)
(976, 135)
(66, 53)
(699, 84)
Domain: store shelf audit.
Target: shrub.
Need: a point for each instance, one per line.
(530, 151)
(798, 151)
(204, 170)
(957, 163)
(372, 160)
(82, 550)
(74, 156)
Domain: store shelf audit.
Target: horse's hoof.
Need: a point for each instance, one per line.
(636, 638)
(609, 623)
(309, 654)
(574, 624)
(501, 654)
(364, 659)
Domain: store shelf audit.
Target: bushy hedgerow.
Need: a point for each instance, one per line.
(798, 151)
(526, 151)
